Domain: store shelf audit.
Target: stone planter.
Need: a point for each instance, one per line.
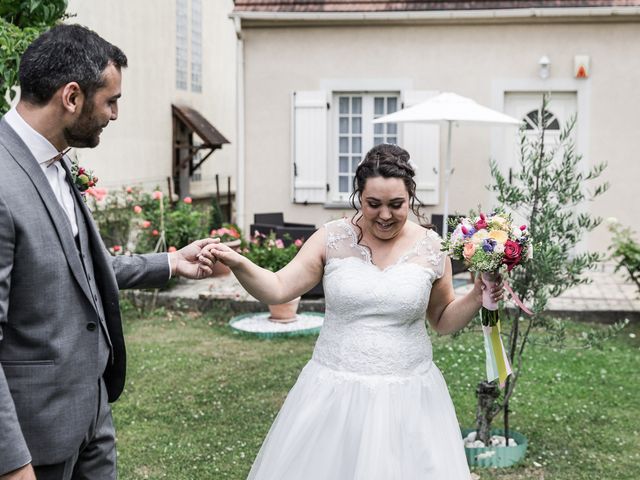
(496, 456)
(284, 312)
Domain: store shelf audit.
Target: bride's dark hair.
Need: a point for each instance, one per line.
(388, 161)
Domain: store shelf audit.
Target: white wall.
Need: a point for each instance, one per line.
(137, 148)
(466, 59)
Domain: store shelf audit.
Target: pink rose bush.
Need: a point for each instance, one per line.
(227, 233)
(270, 252)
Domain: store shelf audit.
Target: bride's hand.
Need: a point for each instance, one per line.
(497, 290)
(219, 252)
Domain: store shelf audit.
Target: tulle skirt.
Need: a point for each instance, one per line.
(345, 426)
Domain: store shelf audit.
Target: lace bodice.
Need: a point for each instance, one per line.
(375, 319)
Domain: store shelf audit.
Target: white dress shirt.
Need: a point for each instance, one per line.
(43, 151)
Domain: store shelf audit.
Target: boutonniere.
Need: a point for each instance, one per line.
(83, 178)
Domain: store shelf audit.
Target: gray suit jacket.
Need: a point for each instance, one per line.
(50, 321)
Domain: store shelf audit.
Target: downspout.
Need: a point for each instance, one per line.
(240, 143)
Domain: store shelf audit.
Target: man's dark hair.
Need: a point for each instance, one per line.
(66, 53)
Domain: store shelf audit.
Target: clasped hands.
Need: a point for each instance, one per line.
(189, 261)
(214, 252)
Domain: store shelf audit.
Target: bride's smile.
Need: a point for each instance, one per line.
(385, 207)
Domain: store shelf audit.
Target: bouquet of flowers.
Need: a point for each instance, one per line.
(490, 244)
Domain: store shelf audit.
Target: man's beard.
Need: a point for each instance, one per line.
(85, 133)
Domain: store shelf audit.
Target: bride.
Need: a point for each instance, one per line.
(370, 404)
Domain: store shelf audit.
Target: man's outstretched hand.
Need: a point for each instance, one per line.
(184, 262)
(23, 473)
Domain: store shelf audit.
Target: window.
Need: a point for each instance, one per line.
(196, 46)
(355, 135)
(182, 34)
(332, 130)
(186, 37)
(532, 120)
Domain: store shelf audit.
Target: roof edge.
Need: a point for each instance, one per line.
(576, 14)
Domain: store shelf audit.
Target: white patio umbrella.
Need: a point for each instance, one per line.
(448, 108)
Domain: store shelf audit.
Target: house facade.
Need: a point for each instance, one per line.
(178, 95)
(314, 74)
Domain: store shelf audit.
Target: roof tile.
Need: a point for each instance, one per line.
(413, 5)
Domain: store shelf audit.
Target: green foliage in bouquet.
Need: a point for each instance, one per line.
(270, 252)
(548, 189)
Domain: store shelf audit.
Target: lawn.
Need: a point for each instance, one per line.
(199, 399)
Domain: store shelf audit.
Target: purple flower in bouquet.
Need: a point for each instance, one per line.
(488, 244)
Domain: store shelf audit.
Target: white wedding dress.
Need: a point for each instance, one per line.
(370, 404)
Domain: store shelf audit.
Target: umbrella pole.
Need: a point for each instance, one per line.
(447, 174)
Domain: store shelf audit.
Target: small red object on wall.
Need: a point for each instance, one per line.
(581, 66)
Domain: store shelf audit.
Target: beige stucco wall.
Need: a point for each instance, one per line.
(137, 148)
(467, 59)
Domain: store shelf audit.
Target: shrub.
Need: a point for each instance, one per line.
(625, 251)
(270, 252)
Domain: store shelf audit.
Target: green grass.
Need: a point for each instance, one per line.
(200, 399)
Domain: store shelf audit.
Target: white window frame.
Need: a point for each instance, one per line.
(196, 46)
(182, 44)
(367, 135)
(189, 45)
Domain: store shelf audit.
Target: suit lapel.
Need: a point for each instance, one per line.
(21, 154)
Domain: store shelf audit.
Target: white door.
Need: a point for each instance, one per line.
(526, 106)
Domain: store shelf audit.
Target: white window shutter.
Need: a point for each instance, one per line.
(422, 141)
(309, 147)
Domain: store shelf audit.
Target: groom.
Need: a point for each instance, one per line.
(62, 353)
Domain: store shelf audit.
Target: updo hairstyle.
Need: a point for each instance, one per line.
(388, 161)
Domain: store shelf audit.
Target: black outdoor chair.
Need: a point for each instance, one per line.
(457, 266)
(266, 223)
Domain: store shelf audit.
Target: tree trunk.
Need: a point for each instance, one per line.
(487, 393)
(505, 410)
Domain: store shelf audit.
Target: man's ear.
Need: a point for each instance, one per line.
(72, 97)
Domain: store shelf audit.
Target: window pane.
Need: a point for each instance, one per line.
(356, 125)
(344, 164)
(392, 128)
(356, 145)
(356, 105)
(377, 140)
(344, 184)
(344, 144)
(182, 44)
(392, 104)
(392, 140)
(378, 128)
(196, 45)
(378, 106)
(344, 125)
(344, 104)
(354, 163)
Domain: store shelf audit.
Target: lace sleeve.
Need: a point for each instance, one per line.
(430, 253)
(341, 241)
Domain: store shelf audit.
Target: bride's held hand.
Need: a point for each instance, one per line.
(219, 252)
(496, 290)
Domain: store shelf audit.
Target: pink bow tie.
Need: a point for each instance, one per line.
(57, 158)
